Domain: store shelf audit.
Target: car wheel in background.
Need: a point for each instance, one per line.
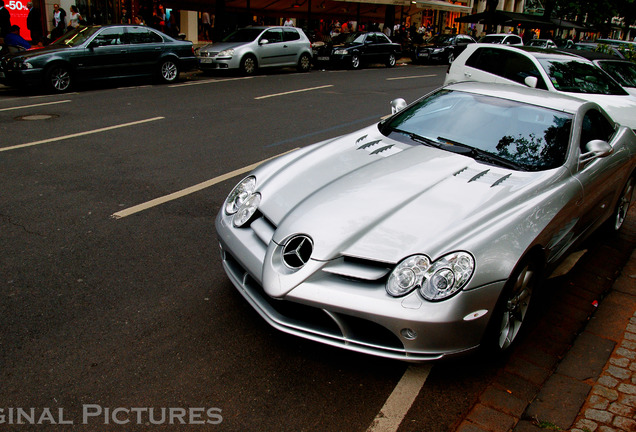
(622, 206)
(59, 79)
(355, 61)
(304, 63)
(390, 62)
(511, 312)
(248, 65)
(168, 71)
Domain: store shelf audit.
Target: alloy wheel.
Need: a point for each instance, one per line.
(516, 306)
(622, 207)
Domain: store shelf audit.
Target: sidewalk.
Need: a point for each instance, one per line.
(576, 369)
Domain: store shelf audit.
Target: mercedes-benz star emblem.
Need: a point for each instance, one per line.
(297, 251)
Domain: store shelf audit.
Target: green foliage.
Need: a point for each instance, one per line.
(627, 51)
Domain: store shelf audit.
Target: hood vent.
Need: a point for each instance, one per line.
(376, 147)
(488, 176)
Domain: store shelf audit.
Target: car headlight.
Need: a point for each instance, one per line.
(239, 195)
(22, 65)
(438, 50)
(340, 52)
(435, 281)
(226, 53)
(247, 210)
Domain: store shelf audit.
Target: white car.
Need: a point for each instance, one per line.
(542, 43)
(502, 38)
(547, 70)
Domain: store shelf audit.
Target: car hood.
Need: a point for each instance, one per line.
(223, 46)
(367, 196)
(40, 51)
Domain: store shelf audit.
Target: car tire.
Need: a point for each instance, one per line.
(59, 78)
(168, 71)
(513, 307)
(623, 204)
(248, 65)
(390, 62)
(304, 63)
(450, 57)
(356, 63)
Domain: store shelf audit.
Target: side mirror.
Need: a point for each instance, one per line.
(263, 42)
(397, 105)
(531, 81)
(595, 149)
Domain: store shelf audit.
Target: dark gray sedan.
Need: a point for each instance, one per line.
(99, 53)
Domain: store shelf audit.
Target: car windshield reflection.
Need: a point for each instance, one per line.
(243, 35)
(76, 36)
(578, 77)
(527, 137)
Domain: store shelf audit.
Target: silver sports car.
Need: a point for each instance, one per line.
(425, 235)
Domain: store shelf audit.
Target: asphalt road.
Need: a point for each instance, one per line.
(106, 312)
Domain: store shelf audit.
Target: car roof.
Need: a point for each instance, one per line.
(552, 100)
(590, 55)
(539, 53)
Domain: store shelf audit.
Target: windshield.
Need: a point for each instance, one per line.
(537, 42)
(243, 35)
(526, 137)
(76, 36)
(441, 40)
(623, 72)
(579, 77)
(492, 39)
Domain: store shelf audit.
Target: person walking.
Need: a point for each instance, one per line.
(5, 20)
(74, 18)
(34, 24)
(59, 22)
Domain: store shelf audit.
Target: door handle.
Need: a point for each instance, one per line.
(467, 74)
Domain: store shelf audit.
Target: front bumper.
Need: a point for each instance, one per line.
(21, 77)
(352, 314)
(213, 63)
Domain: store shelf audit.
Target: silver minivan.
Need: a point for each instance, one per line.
(251, 48)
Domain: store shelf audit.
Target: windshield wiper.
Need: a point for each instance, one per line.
(479, 154)
(419, 138)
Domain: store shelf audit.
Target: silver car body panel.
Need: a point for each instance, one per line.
(367, 202)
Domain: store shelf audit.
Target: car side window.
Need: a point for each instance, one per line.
(273, 36)
(290, 35)
(382, 38)
(371, 38)
(506, 64)
(143, 36)
(595, 127)
(109, 36)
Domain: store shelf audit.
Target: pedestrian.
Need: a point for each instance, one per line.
(34, 24)
(139, 20)
(207, 26)
(74, 18)
(125, 18)
(59, 22)
(288, 22)
(13, 38)
(5, 20)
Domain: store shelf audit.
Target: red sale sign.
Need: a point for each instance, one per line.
(19, 11)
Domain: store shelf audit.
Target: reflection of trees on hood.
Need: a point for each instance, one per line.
(544, 152)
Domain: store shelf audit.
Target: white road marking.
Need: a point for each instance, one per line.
(34, 105)
(411, 77)
(293, 91)
(187, 191)
(399, 402)
(210, 81)
(79, 134)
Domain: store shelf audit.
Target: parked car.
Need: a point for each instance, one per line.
(99, 53)
(555, 71)
(593, 46)
(252, 48)
(541, 43)
(427, 235)
(502, 38)
(623, 71)
(357, 49)
(441, 48)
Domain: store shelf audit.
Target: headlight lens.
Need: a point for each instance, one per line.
(247, 210)
(226, 53)
(407, 275)
(438, 50)
(341, 52)
(240, 195)
(435, 281)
